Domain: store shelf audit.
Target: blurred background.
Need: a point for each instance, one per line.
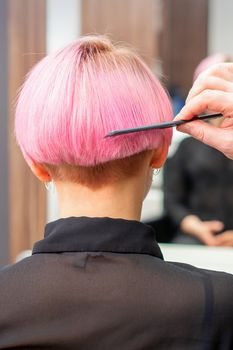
(172, 36)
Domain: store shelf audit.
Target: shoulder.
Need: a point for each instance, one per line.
(217, 278)
(14, 275)
(189, 144)
(22, 278)
(217, 286)
(186, 147)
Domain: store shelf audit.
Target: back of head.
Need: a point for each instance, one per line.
(74, 97)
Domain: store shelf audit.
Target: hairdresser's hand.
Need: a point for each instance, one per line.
(225, 239)
(212, 91)
(204, 231)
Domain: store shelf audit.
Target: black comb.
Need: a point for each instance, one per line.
(165, 125)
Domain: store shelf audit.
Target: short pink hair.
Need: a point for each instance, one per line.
(74, 97)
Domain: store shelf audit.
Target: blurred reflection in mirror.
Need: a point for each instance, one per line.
(198, 187)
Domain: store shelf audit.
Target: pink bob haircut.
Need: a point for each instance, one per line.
(71, 99)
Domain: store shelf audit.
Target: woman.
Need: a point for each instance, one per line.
(98, 280)
(198, 194)
(213, 90)
(198, 185)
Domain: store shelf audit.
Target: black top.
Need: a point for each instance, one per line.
(198, 180)
(102, 284)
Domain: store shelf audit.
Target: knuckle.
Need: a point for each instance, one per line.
(216, 68)
(207, 82)
(207, 94)
(200, 81)
(210, 95)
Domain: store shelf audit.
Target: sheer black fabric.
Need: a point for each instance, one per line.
(100, 283)
(198, 180)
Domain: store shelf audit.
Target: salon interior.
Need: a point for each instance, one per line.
(29, 29)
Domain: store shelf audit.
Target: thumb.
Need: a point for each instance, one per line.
(215, 225)
(203, 132)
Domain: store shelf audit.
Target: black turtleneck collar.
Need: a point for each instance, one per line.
(83, 234)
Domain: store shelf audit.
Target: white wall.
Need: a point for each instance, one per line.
(63, 23)
(220, 26)
(63, 27)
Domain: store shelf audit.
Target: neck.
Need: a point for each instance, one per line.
(121, 200)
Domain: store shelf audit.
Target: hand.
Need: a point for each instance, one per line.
(212, 91)
(225, 239)
(205, 231)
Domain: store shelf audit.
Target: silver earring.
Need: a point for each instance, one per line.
(156, 172)
(46, 185)
(50, 186)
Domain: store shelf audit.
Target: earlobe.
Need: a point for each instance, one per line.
(159, 156)
(40, 172)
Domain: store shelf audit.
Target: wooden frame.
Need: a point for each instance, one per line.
(27, 198)
(120, 19)
(4, 241)
(183, 40)
(171, 35)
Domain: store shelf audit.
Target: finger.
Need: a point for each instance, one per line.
(215, 225)
(225, 238)
(225, 242)
(226, 235)
(214, 100)
(227, 123)
(215, 137)
(228, 232)
(222, 70)
(201, 131)
(209, 83)
(208, 239)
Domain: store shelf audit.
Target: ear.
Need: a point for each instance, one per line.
(40, 172)
(159, 156)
